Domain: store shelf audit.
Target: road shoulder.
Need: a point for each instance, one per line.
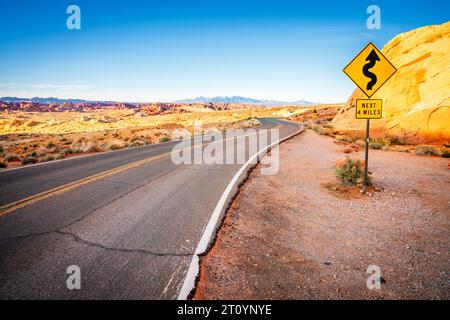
(289, 237)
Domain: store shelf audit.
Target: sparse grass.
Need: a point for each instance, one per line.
(323, 130)
(347, 138)
(66, 151)
(445, 153)
(164, 139)
(351, 173)
(404, 138)
(376, 146)
(427, 151)
(94, 148)
(136, 143)
(12, 158)
(114, 146)
(29, 158)
(50, 145)
(63, 134)
(49, 158)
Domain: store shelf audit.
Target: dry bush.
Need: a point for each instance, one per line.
(30, 158)
(12, 158)
(114, 146)
(164, 139)
(445, 153)
(427, 150)
(351, 173)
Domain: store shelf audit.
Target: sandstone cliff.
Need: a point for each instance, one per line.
(417, 98)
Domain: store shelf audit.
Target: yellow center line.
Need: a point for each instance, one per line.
(10, 207)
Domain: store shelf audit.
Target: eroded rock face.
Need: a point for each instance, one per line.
(417, 98)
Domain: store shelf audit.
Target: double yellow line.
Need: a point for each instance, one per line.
(10, 207)
(69, 186)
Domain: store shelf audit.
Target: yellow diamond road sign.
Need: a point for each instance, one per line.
(370, 69)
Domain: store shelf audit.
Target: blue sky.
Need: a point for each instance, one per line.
(166, 50)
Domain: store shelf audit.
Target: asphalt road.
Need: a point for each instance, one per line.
(130, 219)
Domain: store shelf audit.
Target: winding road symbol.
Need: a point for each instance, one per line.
(372, 58)
(370, 70)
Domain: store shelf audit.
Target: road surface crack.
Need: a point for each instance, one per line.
(124, 250)
(59, 229)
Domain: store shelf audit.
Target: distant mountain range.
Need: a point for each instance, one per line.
(244, 100)
(234, 99)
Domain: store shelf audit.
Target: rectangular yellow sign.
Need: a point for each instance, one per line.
(369, 109)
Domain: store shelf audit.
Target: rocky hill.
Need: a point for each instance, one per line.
(417, 98)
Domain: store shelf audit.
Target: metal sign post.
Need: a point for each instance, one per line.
(369, 70)
(366, 167)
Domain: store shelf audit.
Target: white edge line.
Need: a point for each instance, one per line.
(194, 267)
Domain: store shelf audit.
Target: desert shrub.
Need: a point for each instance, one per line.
(405, 138)
(2, 164)
(427, 150)
(351, 173)
(49, 158)
(447, 145)
(29, 158)
(396, 141)
(12, 158)
(94, 148)
(383, 141)
(137, 143)
(323, 130)
(164, 139)
(66, 151)
(317, 128)
(1, 149)
(114, 146)
(376, 146)
(347, 138)
(50, 145)
(445, 153)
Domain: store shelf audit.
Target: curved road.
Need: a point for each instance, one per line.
(130, 219)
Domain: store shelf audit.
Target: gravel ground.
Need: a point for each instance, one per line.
(291, 236)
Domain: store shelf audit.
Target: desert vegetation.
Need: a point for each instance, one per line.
(351, 173)
(319, 119)
(33, 137)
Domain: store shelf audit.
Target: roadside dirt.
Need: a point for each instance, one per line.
(289, 236)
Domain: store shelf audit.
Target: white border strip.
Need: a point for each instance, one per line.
(194, 267)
